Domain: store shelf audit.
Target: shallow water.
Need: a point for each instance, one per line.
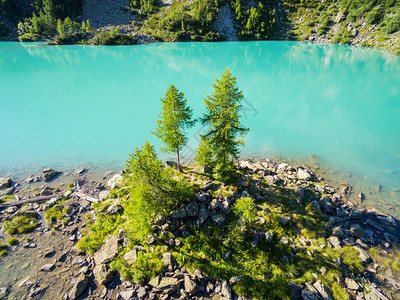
(73, 104)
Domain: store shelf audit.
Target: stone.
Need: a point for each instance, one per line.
(235, 279)
(141, 293)
(80, 171)
(218, 219)
(350, 241)
(327, 206)
(226, 290)
(113, 209)
(121, 234)
(34, 291)
(323, 290)
(167, 285)
(316, 204)
(79, 287)
(255, 241)
(215, 203)
(227, 255)
(192, 209)
(47, 268)
(284, 240)
(359, 232)
(374, 225)
(5, 183)
(108, 251)
(26, 282)
(364, 256)
(203, 216)
(356, 214)
(3, 292)
(179, 214)
(49, 174)
(7, 191)
(352, 284)
(103, 195)
(79, 260)
(127, 294)
(190, 285)
(114, 181)
(103, 274)
(284, 220)
(49, 252)
(303, 174)
(269, 235)
(307, 295)
(167, 259)
(300, 191)
(335, 242)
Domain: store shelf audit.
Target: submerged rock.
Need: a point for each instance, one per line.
(49, 174)
(5, 183)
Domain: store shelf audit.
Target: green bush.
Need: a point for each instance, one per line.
(375, 16)
(343, 36)
(393, 24)
(113, 38)
(19, 225)
(69, 39)
(29, 37)
(12, 241)
(3, 250)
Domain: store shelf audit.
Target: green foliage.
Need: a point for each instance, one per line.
(56, 215)
(351, 258)
(154, 191)
(12, 241)
(3, 250)
(145, 268)
(324, 24)
(113, 37)
(256, 22)
(174, 118)
(375, 15)
(343, 36)
(224, 130)
(393, 24)
(144, 7)
(245, 208)
(204, 153)
(19, 225)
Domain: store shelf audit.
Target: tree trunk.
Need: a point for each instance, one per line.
(178, 162)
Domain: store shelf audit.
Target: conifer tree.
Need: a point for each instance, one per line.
(174, 118)
(224, 134)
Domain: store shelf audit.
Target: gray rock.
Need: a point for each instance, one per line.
(3, 292)
(113, 209)
(5, 183)
(34, 291)
(364, 256)
(167, 259)
(131, 256)
(323, 290)
(334, 241)
(284, 240)
(179, 214)
(316, 204)
(352, 284)
(303, 174)
(121, 234)
(79, 287)
(80, 171)
(235, 279)
(215, 203)
(79, 260)
(269, 235)
(103, 274)
(356, 214)
(167, 285)
(115, 180)
(300, 191)
(127, 294)
(218, 219)
(190, 285)
(47, 268)
(226, 290)
(103, 194)
(255, 241)
(227, 255)
(7, 191)
(359, 232)
(108, 251)
(203, 216)
(192, 209)
(327, 206)
(49, 174)
(26, 282)
(307, 295)
(284, 220)
(350, 241)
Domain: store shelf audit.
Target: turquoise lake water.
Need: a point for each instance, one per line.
(71, 104)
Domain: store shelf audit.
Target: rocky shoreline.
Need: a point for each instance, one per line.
(374, 234)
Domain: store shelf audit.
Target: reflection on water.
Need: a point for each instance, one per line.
(77, 103)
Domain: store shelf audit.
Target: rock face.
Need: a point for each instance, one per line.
(225, 23)
(5, 183)
(79, 287)
(108, 251)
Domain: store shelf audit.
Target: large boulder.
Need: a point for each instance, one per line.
(79, 287)
(5, 183)
(303, 174)
(323, 290)
(103, 274)
(192, 209)
(190, 285)
(108, 251)
(131, 256)
(359, 232)
(167, 285)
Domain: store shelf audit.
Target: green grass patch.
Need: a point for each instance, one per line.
(19, 225)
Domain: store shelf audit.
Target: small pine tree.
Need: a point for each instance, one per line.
(174, 118)
(224, 129)
(60, 27)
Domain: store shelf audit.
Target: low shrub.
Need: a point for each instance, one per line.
(3, 250)
(19, 225)
(113, 37)
(30, 37)
(393, 25)
(12, 241)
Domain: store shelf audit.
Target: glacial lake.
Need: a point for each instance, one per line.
(63, 106)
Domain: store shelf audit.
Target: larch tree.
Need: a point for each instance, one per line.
(220, 144)
(174, 118)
